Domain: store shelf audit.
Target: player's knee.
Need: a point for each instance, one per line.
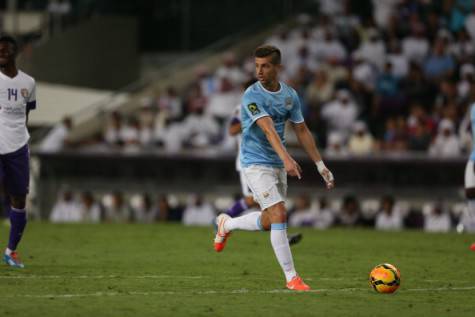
(265, 221)
(278, 213)
(470, 193)
(250, 202)
(18, 202)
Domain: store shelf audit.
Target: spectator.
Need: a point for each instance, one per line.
(395, 135)
(373, 50)
(325, 215)
(436, 219)
(340, 114)
(329, 48)
(416, 47)
(198, 212)
(57, 139)
(446, 143)
(302, 215)
(336, 145)
(467, 76)
(112, 132)
(170, 105)
(320, 90)
(66, 209)
(389, 217)
(130, 134)
(350, 214)
(420, 138)
(90, 209)
(439, 64)
(142, 209)
(399, 62)
(116, 208)
(231, 71)
(361, 142)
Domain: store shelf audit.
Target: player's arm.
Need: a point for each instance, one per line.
(267, 126)
(307, 141)
(234, 127)
(31, 104)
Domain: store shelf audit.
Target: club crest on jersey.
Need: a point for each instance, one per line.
(24, 93)
(253, 108)
(288, 103)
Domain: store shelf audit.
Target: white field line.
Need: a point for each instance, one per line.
(100, 277)
(223, 292)
(193, 277)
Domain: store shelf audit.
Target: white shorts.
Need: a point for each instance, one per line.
(469, 175)
(246, 192)
(268, 184)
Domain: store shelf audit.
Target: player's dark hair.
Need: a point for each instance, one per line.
(9, 39)
(269, 50)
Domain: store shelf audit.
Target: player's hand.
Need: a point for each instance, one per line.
(292, 168)
(326, 175)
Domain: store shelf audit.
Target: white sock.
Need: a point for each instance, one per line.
(248, 222)
(280, 243)
(468, 218)
(8, 251)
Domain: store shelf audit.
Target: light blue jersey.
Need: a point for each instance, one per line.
(258, 102)
(472, 124)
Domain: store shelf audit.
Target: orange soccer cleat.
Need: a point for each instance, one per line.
(221, 234)
(297, 284)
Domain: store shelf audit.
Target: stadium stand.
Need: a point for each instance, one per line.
(384, 92)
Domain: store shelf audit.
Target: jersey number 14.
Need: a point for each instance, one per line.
(12, 94)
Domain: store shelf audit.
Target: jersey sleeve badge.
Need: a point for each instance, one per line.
(253, 109)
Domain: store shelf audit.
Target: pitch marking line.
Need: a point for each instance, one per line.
(99, 277)
(238, 291)
(189, 277)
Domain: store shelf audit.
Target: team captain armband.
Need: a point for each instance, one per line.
(31, 105)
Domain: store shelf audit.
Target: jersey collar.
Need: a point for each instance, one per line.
(271, 92)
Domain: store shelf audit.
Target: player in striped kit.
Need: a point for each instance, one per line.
(17, 98)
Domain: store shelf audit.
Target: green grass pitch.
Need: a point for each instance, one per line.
(170, 270)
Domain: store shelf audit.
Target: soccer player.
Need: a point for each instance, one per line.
(265, 108)
(468, 219)
(247, 201)
(17, 98)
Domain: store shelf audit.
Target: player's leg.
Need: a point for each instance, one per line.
(246, 202)
(270, 190)
(275, 216)
(16, 179)
(468, 218)
(230, 221)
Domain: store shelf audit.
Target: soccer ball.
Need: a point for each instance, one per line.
(385, 278)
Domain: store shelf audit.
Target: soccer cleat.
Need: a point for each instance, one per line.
(13, 260)
(295, 238)
(221, 234)
(472, 247)
(297, 284)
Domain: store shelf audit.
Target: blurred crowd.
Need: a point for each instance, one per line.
(398, 79)
(304, 211)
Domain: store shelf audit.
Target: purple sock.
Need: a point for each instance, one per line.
(238, 207)
(18, 223)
